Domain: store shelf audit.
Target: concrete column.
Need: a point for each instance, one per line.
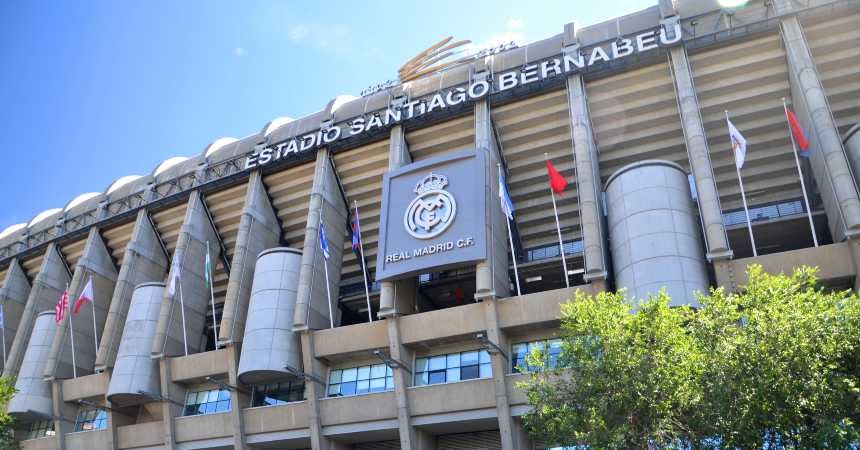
(500, 369)
(238, 400)
(188, 262)
(326, 200)
(710, 213)
(829, 161)
(64, 415)
(258, 230)
(491, 276)
(95, 263)
(13, 297)
(398, 296)
(47, 287)
(410, 437)
(169, 410)
(144, 261)
(588, 185)
(314, 391)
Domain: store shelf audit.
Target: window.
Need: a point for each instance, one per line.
(205, 402)
(91, 419)
(550, 348)
(277, 393)
(40, 429)
(360, 380)
(452, 367)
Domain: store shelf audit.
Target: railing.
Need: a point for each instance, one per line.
(760, 213)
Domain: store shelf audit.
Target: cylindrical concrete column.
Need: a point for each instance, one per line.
(33, 399)
(655, 239)
(852, 148)
(135, 371)
(269, 342)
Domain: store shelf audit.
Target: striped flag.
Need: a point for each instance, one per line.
(207, 267)
(323, 241)
(62, 305)
(739, 144)
(505, 199)
(86, 296)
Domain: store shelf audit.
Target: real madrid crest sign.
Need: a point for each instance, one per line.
(433, 215)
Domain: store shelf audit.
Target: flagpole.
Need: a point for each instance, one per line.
(71, 333)
(327, 284)
(211, 284)
(182, 310)
(511, 241)
(3, 324)
(558, 229)
(800, 174)
(363, 263)
(744, 198)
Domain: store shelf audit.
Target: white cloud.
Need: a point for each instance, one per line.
(496, 40)
(515, 22)
(298, 33)
(239, 51)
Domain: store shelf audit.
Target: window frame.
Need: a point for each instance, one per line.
(41, 429)
(518, 358)
(91, 418)
(427, 369)
(361, 380)
(292, 388)
(213, 397)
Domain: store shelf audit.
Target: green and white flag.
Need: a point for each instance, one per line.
(208, 267)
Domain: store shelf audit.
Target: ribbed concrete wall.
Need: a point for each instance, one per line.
(269, 342)
(135, 370)
(13, 296)
(258, 230)
(143, 261)
(655, 238)
(34, 393)
(49, 283)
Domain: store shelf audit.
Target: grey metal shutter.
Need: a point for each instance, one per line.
(481, 440)
(382, 445)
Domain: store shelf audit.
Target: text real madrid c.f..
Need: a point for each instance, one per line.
(561, 65)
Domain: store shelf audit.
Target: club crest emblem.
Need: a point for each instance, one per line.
(433, 210)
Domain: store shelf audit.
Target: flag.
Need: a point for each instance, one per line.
(556, 182)
(174, 282)
(207, 267)
(797, 132)
(505, 199)
(86, 296)
(356, 235)
(739, 144)
(2, 319)
(323, 241)
(62, 304)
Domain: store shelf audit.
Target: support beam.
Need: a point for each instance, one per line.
(238, 399)
(398, 296)
(95, 263)
(172, 395)
(500, 365)
(258, 230)
(829, 161)
(47, 287)
(13, 297)
(144, 261)
(326, 201)
(188, 261)
(491, 276)
(588, 184)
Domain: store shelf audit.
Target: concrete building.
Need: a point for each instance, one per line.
(632, 113)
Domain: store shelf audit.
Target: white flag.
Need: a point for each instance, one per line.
(174, 282)
(739, 144)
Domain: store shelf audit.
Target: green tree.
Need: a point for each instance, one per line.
(7, 422)
(775, 366)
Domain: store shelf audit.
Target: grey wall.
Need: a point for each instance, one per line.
(34, 393)
(269, 342)
(135, 370)
(13, 296)
(654, 236)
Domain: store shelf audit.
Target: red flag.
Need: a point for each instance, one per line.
(62, 304)
(797, 132)
(556, 182)
(86, 296)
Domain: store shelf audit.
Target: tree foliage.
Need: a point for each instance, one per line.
(775, 366)
(7, 430)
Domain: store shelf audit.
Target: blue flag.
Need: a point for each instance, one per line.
(505, 199)
(323, 241)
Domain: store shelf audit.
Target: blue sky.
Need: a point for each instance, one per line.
(95, 90)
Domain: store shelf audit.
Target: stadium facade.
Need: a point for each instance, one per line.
(632, 112)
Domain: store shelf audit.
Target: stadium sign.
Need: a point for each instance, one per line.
(567, 63)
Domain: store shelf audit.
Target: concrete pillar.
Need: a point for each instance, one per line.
(95, 263)
(500, 368)
(144, 261)
(258, 230)
(188, 262)
(326, 201)
(829, 161)
(710, 212)
(13, 297)
(64, 414)
(588, 184)
(410, 437)
(398, 296)
(172, 396)
(238, 400)
(314, 391)
(491, 276)
(50, 282)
